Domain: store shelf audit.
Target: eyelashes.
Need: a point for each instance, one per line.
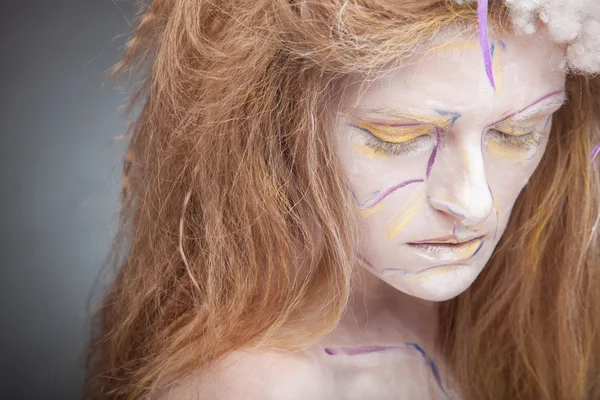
(516, 140)
(408, 143)
(526, 141)
(407, 148)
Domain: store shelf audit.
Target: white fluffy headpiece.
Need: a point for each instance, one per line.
(572, 22)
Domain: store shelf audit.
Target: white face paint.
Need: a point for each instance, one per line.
(435, 158)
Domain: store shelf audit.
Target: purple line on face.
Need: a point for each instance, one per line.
(392, 190)
(433, 154)
(353, 351)
(525, 108)
(484, 42)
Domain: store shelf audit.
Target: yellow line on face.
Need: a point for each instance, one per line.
(370, 211)
(498, 215)
(369, 152)
(406, 215)
(496, 204)
(467, 164)
(430, 274)
(498, 67)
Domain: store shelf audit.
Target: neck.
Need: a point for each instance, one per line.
(379, 312)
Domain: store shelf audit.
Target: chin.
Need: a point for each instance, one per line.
(440, 294)
(440, 284)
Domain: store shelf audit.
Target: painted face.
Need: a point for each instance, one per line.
(435, 157)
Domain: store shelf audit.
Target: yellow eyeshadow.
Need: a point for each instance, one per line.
(370, 152)
(505, 151)
(395, 134)
(509, 130)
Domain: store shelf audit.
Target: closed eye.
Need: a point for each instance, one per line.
(527, 139)
(408, 143)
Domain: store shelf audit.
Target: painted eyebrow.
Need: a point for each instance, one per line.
(445, 118)
(438, 117)
(546, 102)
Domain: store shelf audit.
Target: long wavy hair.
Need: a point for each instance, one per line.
(236, 228)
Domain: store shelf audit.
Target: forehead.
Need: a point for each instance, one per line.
(448, 73)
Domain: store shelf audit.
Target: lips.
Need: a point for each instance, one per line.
(448, 248)
(449, 239)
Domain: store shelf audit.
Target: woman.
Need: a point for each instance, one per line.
(356, 200)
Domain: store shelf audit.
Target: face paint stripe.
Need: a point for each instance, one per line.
(392, 190)
(412, 206)
(497, 212)
(497, 67)
(484, 44)
(453, 116)
(429, 361)
(370, 211)
(525, 108)
(478, 248)
(432, 156)
(353, 351)
(369, 152)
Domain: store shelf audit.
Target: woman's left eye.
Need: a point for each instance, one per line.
(528, 139)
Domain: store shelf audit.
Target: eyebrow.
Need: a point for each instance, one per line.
(544, 103)
(438, 117)
(445, 118)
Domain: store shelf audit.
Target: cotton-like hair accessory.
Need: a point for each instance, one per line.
(575, 23)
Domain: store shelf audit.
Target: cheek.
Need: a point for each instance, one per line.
(371, 176)
(509, 168)
(507, 177)
(508, 152)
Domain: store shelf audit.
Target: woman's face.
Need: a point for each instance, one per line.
(435, 157)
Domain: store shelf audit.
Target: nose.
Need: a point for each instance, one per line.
(458, 186)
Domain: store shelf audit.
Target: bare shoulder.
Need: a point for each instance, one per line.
(252, 376)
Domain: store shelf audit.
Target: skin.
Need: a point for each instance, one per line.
(427, 160)
(471, 150)
(459, 177)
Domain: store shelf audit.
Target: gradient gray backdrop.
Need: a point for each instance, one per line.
(60, 175)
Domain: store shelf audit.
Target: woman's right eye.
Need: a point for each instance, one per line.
(407, 148)
(405, 139)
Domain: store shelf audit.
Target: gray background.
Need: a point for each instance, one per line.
(60, 176)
